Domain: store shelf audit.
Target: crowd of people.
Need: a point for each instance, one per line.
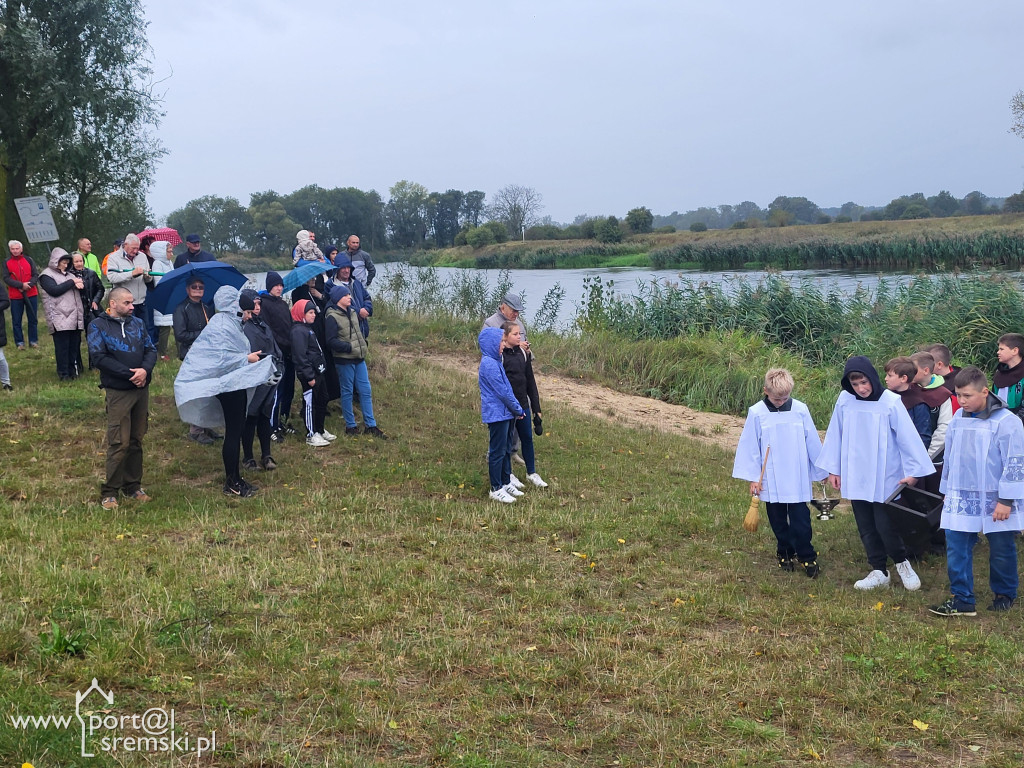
(240, 353)
(932, 427)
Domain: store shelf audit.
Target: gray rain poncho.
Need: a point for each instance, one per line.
(218, 362)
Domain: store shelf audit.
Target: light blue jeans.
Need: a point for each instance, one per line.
(355, 377)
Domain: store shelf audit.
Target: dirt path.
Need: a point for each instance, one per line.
(597, 400)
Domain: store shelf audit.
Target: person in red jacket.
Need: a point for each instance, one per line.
(21, 275)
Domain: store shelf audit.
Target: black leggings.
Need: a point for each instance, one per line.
(256, 425)
(233, 404)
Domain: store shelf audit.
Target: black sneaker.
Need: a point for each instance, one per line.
(269, 464)
(1002, 603)
(240, 488)
(8, 387)
(375, 432)
(786, 563)
(352, 431)
(289, 430)
(277, 436)
(250, 464)
(954, 607)
(811, 569)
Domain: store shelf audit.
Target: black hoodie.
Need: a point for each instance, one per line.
(861, 364)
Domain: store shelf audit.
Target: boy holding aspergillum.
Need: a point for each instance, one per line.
(870, 448)
(983, 480)
(784, 425)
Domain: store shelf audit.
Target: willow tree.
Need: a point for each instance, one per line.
(76, 101)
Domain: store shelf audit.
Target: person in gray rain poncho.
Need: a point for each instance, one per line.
(218, 377)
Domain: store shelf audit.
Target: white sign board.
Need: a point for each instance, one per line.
(36, 219)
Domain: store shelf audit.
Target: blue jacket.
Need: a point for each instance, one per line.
(497, 400)
(116, 346)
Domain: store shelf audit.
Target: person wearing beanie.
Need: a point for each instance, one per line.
(264, 400)
(362, 302)
(275, 313)
(310, 366)
(348, 350)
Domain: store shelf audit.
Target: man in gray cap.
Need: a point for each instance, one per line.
(508, 312)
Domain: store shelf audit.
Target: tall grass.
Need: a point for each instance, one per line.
(940, 251)
(968, 312)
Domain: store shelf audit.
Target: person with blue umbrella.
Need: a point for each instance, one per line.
(173, 287)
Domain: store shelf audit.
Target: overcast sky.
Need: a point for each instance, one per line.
(601, 106)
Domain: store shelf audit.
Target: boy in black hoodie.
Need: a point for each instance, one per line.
(870, 448)
(1008, 383)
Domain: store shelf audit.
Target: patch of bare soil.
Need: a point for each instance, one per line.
(631, 410)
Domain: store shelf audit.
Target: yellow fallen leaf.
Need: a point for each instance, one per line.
(580, 555)
(119, 536)
(392, 725)
(811, 751)
(974, 747)
(920, 726)
(877, 607)
(622, 541)
(461, 486)
(531, 647)
(27, 765)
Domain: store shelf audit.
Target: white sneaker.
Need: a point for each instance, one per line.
(316, 440)
(512, 491)
(536, 480)
(873, 580)
(328, 436)
(515, 482)
(910, 579)
(500, 495)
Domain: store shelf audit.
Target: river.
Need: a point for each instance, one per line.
(533, 284)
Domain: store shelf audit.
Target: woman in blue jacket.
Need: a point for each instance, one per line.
(498, 409)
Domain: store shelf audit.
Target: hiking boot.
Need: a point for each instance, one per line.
(316, 440)
(910, 579)
(269, 464)
(108, 502)
(250, 464)
(515, 482)
(873, 580)
(375, 432)
(499, 494)
(512, 491)
(328, 436)
(352, 431)
(786, 562)
(811, 569)
(954, 607)
(1002, 603)
(536, 480)
(140, 496)
(200, 437)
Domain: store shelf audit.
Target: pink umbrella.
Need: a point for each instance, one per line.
(165, 234)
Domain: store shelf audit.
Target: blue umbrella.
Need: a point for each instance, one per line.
(173, 287)
(305, 272)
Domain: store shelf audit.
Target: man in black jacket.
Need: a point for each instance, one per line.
(195, 253)
(121, 348)
(190, 317)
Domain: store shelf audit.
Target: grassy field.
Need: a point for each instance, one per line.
(370, 608)
(959, 242)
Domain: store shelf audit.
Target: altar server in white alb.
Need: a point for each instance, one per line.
(983, 479)
(871, 446)
(785, 425)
